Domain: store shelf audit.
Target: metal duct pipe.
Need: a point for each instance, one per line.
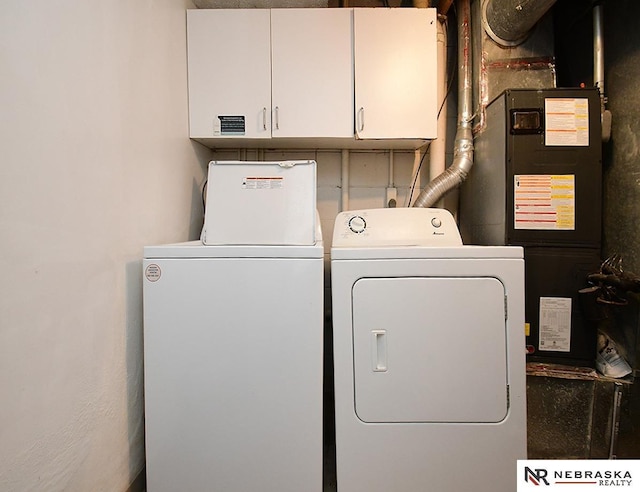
(508, 22)
(344, 183)
(598, 71)
(438, 147)
(598, 49)
(455, 174)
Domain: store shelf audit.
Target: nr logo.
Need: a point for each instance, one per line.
(538, 476)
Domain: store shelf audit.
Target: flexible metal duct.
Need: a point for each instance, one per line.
(463, 144)
(508, 22)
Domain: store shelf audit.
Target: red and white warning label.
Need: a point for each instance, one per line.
(262, 183)
(545, 201)
(566, 122)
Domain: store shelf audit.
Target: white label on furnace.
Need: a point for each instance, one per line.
(544, 201)
(555, 324)
(566, 122)
(263, 183)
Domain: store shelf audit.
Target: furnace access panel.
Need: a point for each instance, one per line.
(537, 177)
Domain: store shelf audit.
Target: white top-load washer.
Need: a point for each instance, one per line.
(428, 355)
(233, 342)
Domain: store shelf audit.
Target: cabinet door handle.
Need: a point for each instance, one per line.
(277, 118)
(264, 118)
(361, 118)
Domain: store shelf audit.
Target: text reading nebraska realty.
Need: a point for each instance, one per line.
(578, 474)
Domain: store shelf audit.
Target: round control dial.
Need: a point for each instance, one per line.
(357, 224)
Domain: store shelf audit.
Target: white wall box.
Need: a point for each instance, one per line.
(284, 78)
(261, 203)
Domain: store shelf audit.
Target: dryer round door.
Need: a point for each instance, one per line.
(430, 349)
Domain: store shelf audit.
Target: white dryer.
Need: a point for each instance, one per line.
(429, 355)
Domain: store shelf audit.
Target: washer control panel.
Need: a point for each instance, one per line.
(381, 227)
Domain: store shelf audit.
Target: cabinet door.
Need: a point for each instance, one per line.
(229, 73)
(312, 82)
(395, 73)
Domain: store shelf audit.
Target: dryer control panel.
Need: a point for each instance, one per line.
(380, 227)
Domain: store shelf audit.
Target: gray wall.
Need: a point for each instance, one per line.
(621, 162)
(622, 182)
(622, 155)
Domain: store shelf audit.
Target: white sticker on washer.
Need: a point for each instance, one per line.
(555, 324)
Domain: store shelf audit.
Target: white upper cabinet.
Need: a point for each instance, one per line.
(395, 73)
(229, 73)
(311, 73)
(312, 78)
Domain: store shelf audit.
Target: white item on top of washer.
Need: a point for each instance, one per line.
(260, 203)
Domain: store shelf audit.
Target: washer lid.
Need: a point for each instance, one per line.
(430, 350)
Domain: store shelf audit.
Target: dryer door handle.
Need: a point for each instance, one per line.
(379, 350)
